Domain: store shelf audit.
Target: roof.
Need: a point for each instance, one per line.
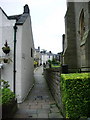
(3, 12)
(13, 17)
(37, 50)
(48, 53)
(20, 19)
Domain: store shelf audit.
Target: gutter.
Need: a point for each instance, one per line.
(14, 64)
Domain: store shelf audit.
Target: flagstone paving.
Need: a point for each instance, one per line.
(39, 103)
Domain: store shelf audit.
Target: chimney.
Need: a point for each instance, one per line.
(26, 9)
(39, 48)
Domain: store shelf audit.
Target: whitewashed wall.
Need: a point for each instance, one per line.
(37, 56)
(50, 57)
(6, 30)
(24, 60)
(18, 63)
(45, 58)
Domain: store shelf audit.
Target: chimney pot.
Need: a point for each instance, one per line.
(26, 9)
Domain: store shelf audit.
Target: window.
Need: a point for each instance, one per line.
(31, 52)
(82, 24)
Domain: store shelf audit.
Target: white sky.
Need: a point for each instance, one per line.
(47, 18)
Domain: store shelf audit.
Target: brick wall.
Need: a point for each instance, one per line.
(52, 76)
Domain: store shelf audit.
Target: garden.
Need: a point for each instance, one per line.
(54, 63)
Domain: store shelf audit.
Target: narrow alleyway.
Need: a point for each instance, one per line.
(39, 103)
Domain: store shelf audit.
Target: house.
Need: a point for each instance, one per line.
(50, 55)
(45, 56)
(16, 31)
(37, 56)
(76, 41)
(57, 57)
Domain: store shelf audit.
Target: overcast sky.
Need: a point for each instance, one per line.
(47, 18)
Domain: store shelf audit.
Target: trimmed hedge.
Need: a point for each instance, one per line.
(75, 89)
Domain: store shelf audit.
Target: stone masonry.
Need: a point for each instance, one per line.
(76, 51)
(52, 76)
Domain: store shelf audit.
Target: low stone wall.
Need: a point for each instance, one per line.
(52, 76)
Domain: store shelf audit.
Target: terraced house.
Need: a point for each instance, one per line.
(16, 33)
(76, 41)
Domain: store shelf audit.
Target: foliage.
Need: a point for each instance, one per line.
(49, 61)
(55, 66)
(55, 62)
(35, 62)
(4, 84)
(76, 94)
(6, 96)
(5, 60)
(6, 48)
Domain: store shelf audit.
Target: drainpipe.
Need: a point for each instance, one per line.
(14, 64)
(1, 66)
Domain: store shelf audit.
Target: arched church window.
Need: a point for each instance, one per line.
(82, 24)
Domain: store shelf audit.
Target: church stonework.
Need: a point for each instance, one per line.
(77, 37)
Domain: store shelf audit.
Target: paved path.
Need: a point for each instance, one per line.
(39, 103)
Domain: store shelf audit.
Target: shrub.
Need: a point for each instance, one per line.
(75, 90)
(55, 66)
(35, 63)
(49, 61)
(6, 96)
(4, 84)
(54, 61)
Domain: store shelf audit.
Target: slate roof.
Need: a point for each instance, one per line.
(20, 19)
(37, 50)
(13, 17)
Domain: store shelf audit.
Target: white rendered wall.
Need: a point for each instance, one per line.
(6, 33)
(18, 62)
(45, 58)
(37, 56)
(26, 64)
(50, 58)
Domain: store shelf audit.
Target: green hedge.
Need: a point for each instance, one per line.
(75, 90)
(6, 96)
